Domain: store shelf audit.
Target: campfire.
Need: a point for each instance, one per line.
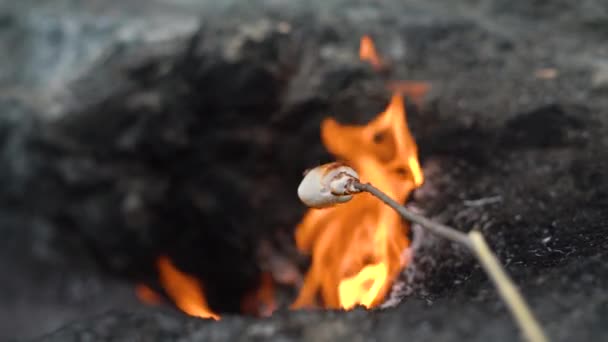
(354, 233)
(357, 249)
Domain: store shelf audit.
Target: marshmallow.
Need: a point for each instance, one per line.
(328, 185)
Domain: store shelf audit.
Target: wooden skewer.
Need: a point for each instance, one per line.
(475, 241)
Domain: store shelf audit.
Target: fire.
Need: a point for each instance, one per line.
(414, 90)
(357, 247)
(185, 290)
(367, 53)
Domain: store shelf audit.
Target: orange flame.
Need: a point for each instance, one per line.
(356, 247)
(185, 290)
(367, 53)
(414, 90)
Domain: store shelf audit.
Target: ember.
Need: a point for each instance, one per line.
(261, 302)
(147, 295)
(367, 53)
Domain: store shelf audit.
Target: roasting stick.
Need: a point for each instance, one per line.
(334, 183)
(477, 244)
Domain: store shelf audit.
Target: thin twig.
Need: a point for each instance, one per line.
(437, 228)
(506, 288)
(478, 246)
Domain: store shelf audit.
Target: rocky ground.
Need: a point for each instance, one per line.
(517, 113)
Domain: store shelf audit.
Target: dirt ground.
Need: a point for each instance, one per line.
(225, 121)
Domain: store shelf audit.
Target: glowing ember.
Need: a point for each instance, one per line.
(147, 295)
(356, 247)
(262, 301)
(367, 53)
(414, 90)
(185, 290)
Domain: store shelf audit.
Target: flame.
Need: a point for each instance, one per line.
(356, 247)
(185, 290)
(367, 53)
(414, 90)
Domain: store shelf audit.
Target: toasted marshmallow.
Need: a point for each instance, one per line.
(327, 185)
